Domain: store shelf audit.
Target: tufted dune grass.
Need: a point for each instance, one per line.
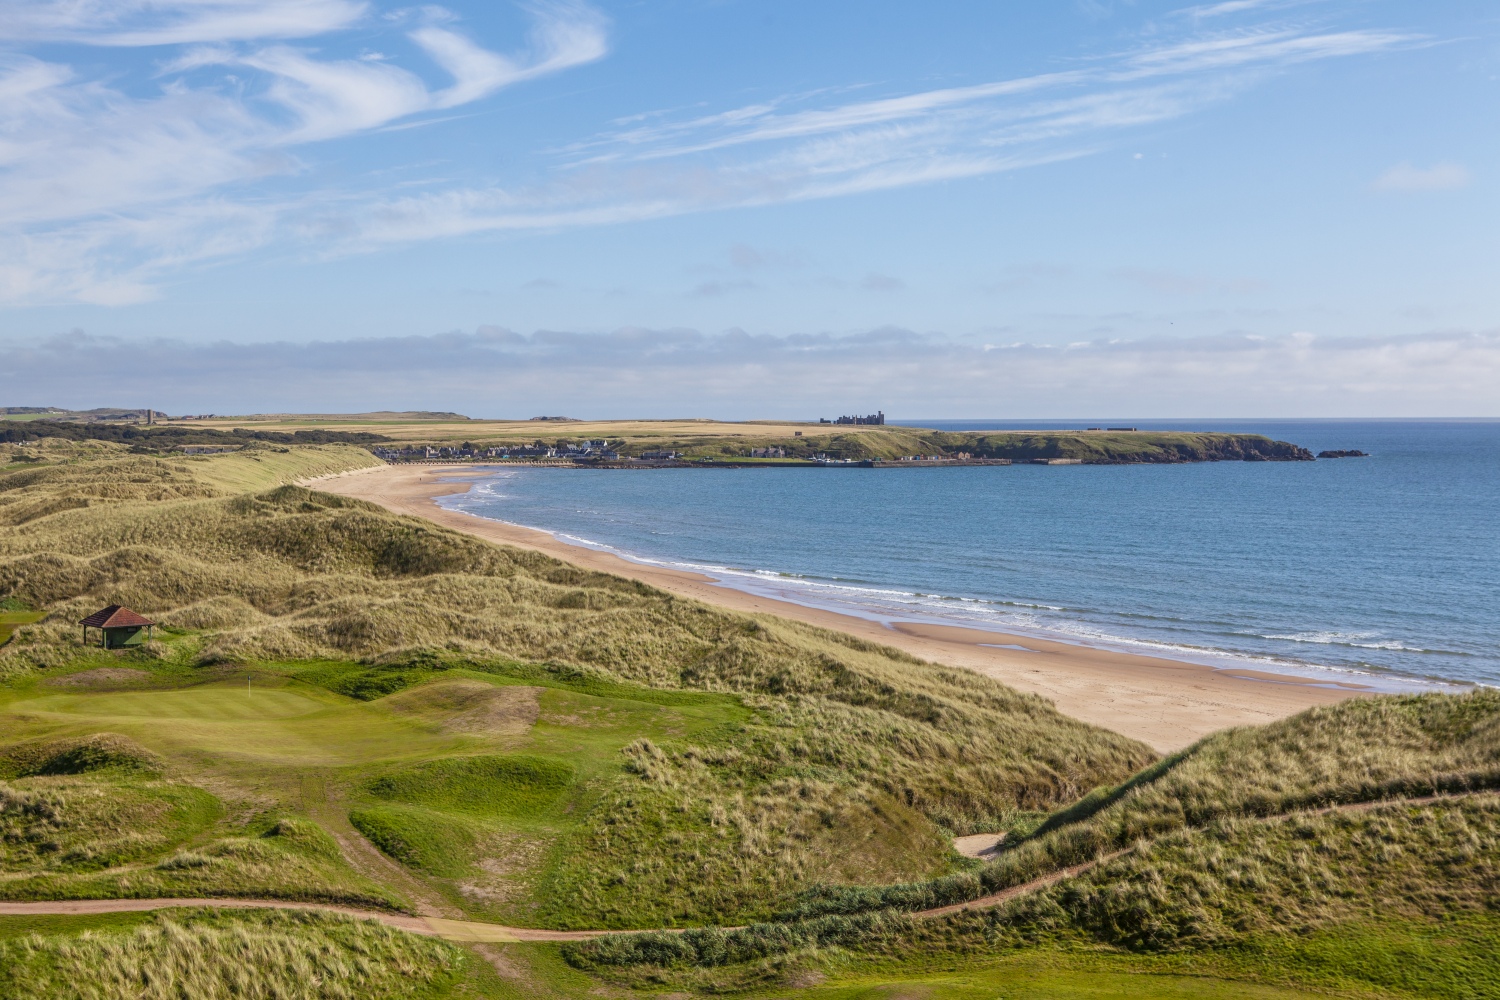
(722, 760)
(209, 955)
(1347, 825)
(545, 746)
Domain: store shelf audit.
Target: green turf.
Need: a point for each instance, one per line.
(511, 786)
(1032, 981)
(20, 926)
(1451, 958)
(12, 618)
(431, 842)
(268, 726)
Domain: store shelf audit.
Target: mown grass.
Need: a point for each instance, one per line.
(246, 956)
(1448, 958)
(11, 618)
(427, 840)
(511, 786)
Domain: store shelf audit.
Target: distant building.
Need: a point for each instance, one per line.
(118, 627)
(877, 419)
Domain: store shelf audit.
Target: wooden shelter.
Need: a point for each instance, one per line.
(118, 627)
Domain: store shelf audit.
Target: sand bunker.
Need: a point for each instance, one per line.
(101, 677)
(979, 845)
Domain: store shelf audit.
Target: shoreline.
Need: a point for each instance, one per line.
(1166, 703)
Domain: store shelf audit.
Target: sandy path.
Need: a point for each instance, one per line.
(468, 931)
(1165, 703)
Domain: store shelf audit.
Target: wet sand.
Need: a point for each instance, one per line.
(1165, 703)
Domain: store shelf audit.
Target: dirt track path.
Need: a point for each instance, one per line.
(470, 931)
(480, 933)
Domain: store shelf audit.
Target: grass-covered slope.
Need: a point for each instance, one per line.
(808, 754)
(1374, 809)
(99, 816)
(531, 743)
(209, 956)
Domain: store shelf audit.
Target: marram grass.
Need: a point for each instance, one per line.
(267, 955)
(291, 574)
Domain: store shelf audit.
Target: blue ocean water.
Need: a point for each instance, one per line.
(1388, 565)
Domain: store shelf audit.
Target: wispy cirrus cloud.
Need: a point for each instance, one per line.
(1229, 7)
(104, 189)
(1438, 177)
(107, 190)
(654, 166)
(133, 23)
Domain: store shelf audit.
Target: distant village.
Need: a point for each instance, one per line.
(599, 451)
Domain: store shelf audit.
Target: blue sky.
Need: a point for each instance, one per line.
(737, 209)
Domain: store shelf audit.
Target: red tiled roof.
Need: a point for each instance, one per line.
(115, 616)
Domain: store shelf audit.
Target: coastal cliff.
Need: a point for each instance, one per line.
(1157, 447)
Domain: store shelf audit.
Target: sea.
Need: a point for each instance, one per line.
(1382, 570)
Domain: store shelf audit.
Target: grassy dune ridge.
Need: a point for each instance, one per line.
(97, 817)
(268, 955)
(1223, 843)
(533, 743)
(1363, 750)
(1234, 889)
(827, 756)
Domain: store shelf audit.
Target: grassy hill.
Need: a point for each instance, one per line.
(1301, 849)
(677, 763)
(346, 705)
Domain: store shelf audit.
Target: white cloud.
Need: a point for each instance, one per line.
(738, 374)
(1439, 177)
(113, 189)
(656, 167)
(332, 98)
(173, 22)
(103, 190)
(1229, 7)
(565, 35)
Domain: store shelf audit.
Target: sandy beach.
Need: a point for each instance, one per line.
(1165, 703)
